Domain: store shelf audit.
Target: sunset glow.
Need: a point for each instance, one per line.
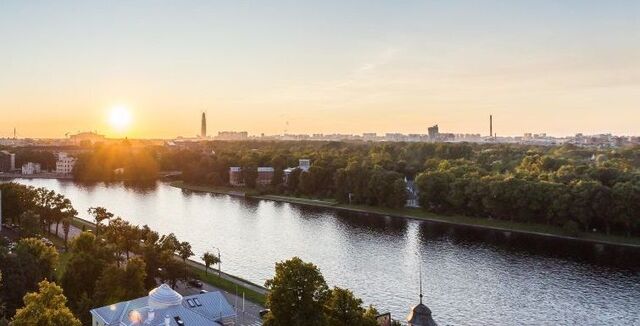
(120, 118)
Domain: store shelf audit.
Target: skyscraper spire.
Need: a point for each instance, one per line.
(203, 126)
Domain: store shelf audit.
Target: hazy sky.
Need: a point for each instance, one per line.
(324, 66)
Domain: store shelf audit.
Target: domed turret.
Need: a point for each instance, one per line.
(163, 297)
(420, 315)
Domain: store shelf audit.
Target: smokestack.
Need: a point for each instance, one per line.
(203, 126)
(490, 125)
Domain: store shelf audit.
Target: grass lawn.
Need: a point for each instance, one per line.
(299, 200)
(493, 223)
(213, 279)
(212, 189)
(79, 223)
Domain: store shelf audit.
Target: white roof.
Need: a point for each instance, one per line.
(194, 310)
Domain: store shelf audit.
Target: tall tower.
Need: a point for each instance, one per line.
(203, 126)
(490, 125)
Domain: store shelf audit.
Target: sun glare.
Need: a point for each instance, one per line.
(120, 118)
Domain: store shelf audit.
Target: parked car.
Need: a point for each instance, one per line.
(195, 283)
(203, 291)
(264, 312)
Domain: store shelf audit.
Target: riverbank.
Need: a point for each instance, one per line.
(230, 283)
(44, 175)
(419, 214)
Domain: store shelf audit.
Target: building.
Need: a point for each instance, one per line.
(30, 168)
(265, 175)
(166, 307)
(203, 126)
(235, 176)
(7, 161)
(232, 135)
(420, 315)
(87, 138)
(433, 132)
(65, 163)
(304, 164)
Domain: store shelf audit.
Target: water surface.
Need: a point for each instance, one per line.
(466, 281)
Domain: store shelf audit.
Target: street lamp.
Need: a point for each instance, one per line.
(219, 261)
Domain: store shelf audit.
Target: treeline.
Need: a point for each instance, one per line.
(46, 159)
(580, 189)
(603, 195)
(119, 262)
(111, 162)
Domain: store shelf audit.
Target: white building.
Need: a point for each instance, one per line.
(30, 168)
(65, 164)
(166, 307)
(304, 164)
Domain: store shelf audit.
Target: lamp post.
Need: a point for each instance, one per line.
(219, 261)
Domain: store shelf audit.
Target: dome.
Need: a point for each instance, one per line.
(420, 315)
(164, 296)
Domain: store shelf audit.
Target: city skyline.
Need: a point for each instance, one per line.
(320, 67)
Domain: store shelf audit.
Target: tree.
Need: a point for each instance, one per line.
(117, 284)
(99, 214)
(45, 259)
(30, 222)
(343, 309)
(209, 259)
(297, 295)
(66, 226)
(45, 307)
(84, 267)
(184, 251)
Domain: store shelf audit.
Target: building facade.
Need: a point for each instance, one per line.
(31, 168)
(65, 164)
(7, 161)
(265, 175)
(235, 176)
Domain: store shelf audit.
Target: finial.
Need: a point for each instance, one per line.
(420, 284)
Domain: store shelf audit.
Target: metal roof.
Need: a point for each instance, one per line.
(209, 308)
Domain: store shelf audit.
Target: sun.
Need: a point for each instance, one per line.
(120, 118)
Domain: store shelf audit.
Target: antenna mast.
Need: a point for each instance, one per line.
(421, 284)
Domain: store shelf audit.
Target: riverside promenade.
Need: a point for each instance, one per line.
(246, 297)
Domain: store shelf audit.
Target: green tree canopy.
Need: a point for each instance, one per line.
(297, 294)
(45, 307)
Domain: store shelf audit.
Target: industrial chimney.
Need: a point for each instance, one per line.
(490, 125)
(203, 126)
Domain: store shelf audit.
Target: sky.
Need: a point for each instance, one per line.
(554, 66)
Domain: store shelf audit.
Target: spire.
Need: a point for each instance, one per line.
(420, 284)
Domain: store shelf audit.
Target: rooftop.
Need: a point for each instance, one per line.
(165, 305)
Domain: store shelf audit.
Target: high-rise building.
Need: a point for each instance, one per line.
(203, 126)
(433, 132)
(7, 161)
(490, 125)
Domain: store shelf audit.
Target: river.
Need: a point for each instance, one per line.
(467, 281)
